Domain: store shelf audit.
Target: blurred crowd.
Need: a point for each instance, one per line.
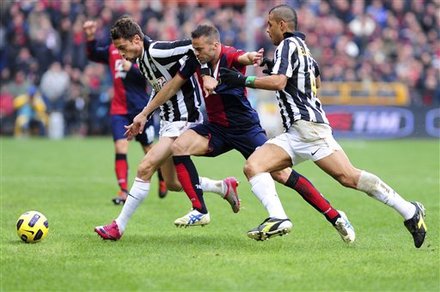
(44, 67)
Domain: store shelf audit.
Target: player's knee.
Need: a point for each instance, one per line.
(177, 148)
(346, 179)
(250, 168)
(145, 170)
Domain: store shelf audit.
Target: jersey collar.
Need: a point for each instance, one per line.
(294, 34)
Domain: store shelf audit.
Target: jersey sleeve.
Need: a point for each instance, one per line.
(165, 49)
(286, 54)
(97, 53)
(316, 69)
(232, 55)
(189, 66)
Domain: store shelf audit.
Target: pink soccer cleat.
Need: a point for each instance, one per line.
(109, 232)
(231, 193)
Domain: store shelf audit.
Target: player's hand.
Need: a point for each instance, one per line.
(126, 65)
(135, 128)
(232, 78)
(257, 57)
(269, 65)
(209, 85)
(89, 28)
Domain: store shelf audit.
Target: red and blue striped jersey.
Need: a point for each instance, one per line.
(228, 107)
(130, 87)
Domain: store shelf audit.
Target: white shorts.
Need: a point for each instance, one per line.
(307, 140)
(174, 129)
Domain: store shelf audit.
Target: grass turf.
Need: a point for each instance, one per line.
(71, 181)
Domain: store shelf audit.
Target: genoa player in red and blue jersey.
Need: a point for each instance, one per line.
(130, 97)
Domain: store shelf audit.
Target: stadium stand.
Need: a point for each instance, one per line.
(364, 42)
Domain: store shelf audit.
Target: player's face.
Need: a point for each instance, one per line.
(274, 30)
(129, 49)
(204, 48)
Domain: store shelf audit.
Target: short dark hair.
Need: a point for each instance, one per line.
(206, 30)
(286, 13)
(126, 28)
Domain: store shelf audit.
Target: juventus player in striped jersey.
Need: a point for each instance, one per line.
(159, 61)
(308, 134)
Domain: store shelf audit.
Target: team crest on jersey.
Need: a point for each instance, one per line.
(160, 83)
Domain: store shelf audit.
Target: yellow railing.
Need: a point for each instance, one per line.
(364, 93)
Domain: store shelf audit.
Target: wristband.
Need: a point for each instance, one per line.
(250, 81)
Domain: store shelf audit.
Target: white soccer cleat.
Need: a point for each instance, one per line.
(193, 218)
(344, 228)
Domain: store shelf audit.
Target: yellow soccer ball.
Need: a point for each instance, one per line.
(32, 226)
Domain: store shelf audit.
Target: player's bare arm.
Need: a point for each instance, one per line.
(251, 58)
(236, 79)
(209, 84)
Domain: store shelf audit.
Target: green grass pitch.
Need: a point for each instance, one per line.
(72, 181)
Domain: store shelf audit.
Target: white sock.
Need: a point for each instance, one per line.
(138, 192)
(213, 186)
(263, 187)
(376, 188)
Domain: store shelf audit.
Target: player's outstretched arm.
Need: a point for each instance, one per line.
(234, 78)
(165, 93)
(251, 58)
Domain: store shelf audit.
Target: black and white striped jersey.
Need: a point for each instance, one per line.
(298, 100)
(159, 63)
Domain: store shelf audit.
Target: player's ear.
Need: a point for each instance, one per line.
(136, 38)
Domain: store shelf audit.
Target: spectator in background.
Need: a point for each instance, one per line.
(54, 85)
(31, 114)
(6, 111)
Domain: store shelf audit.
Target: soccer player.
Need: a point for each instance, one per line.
(233, 124)
(129, 99)
(307, 132)
(159, 61)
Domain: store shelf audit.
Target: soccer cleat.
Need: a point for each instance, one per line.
(344, 228)
(231, 193)
(416, 225)
(121, 198)
(269, 228)
(163, 190)
(193, 218)
(109, 232)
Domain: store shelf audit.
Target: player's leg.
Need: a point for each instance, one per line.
(339, 167)
(139, 190)
(121, 150)
(311, 195)
(266, 159)
(146, 139)
(226, 188)
(190, 143)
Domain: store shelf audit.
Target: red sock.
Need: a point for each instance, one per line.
(189, 179)
(121, 170)
(310, 194)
